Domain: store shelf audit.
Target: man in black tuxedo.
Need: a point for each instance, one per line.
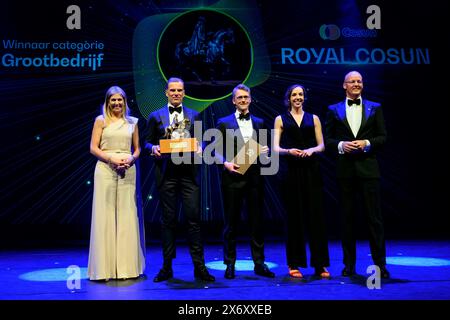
(236, 129)
(355, 132)
(175, 180)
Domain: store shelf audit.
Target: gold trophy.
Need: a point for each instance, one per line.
(177, 137)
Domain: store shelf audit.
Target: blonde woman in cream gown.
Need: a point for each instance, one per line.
(116, 250)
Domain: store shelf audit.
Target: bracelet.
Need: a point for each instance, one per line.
(134, 159)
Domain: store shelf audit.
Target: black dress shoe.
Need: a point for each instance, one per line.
(384, 273)
(229, 273)
(163, 275)
(348, 271)
(263, 270)
(203, 274)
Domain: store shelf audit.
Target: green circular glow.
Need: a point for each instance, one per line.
(225, 14)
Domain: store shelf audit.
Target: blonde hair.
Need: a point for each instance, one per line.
(107, 115)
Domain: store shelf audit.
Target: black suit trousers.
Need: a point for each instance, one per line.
(369, 189)
(233, 198)
(178, 181)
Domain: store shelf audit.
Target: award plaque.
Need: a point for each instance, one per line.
(178, 145)
(177, 138)
(247, 156)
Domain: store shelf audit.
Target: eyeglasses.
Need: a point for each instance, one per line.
(354, 81)
(242, 98)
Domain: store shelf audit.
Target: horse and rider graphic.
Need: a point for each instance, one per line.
(204, 54)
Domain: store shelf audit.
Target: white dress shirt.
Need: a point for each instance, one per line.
(245, 126)
(354, 115)
(354, 119)
(180, 116)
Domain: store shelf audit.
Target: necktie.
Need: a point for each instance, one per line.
(174, 109)
(244, 116)
(352, 102)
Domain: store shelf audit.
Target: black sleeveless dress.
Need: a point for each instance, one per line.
(301, 186)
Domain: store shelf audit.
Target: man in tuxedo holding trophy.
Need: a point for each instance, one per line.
(168, 130)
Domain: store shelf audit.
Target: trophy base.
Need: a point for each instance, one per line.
(178, 145)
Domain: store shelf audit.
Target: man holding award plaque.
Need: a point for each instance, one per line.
(241, 179)
(169, 132)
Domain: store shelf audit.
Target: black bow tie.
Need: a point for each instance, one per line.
(174, 109)
(352, 102)
(244, 116)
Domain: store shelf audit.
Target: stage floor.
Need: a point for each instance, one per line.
(420, 270)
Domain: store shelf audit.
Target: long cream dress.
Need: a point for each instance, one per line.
(115, 249)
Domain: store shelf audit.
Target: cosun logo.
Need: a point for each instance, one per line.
(333, 32)
(329, 32)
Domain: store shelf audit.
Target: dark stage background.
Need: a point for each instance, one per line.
(47, 114)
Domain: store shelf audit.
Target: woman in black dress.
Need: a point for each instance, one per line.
(298, 138)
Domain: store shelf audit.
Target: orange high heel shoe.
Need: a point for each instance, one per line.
(323, 273)
(295, 273)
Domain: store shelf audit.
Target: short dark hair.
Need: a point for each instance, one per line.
(241, 86)
(173, 79)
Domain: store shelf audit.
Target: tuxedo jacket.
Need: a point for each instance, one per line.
(157, 123)
(234, 140)
(337, 128)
